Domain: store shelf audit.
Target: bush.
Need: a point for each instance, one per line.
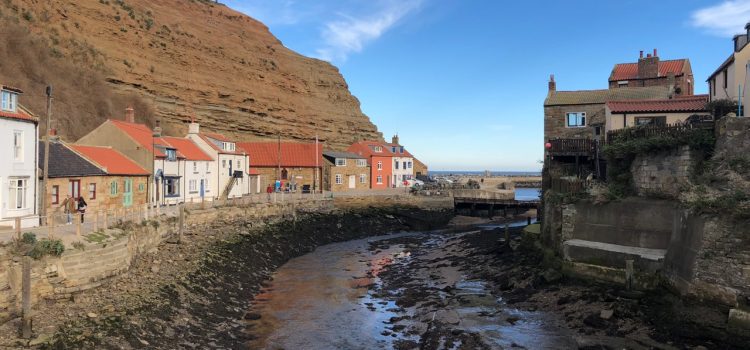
(28, 238)
(720, 108)
(47, 247)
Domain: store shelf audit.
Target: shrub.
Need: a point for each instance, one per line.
(47, 247)
(28, 238)
(79, 245)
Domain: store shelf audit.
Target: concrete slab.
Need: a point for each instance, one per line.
(613, 255)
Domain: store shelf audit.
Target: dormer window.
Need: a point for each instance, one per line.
(227, 146)
(393, 149)
(171, 154)
(9, 101)
(401, 149)
(340, 161)
(378, 149)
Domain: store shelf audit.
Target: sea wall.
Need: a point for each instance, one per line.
(663, 174)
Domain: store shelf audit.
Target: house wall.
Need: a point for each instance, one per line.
(555, 121)
(301, 176)
(616, 121)
(169, 169)
(684, 82)
(238, 162)
(350, 169)
(400, 174)
(386, 172)
(195, 170)
(109, 135)
(26, 168)
(104, 199)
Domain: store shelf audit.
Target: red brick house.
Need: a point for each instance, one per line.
(380, 160)
(651, 71)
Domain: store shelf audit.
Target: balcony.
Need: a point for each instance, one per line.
(571, 147)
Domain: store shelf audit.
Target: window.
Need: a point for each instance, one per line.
(223, 163)
(74, 188)
(92, 191)
(405, 166)
(395, 163)
(380, 179)
(239, 164)
(208, 168)
(339, 179)
(401, 149)
(171, 187)
(171, 154)
(18, 146)
(55, 194)
(576, 120)
(195, 167)
(411, 165)
(380, 165)
(113, 190)
(193, 186)
(362, 178)
(284, 174)
(623, 83)
(206, 187)
(9, 100)
(726, 78)
(141, 187)
(378, 149)
(17, 193)
(650, 121)
(361, 163)
(393, 149)
(340, 161)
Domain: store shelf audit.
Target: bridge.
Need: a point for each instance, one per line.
(476, 200)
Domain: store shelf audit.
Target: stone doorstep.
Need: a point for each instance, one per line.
(613, 255)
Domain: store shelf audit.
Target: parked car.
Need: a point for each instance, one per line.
(414, 182)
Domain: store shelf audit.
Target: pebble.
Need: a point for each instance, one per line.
(92, 315)
(606, 314)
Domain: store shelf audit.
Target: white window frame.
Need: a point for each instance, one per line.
(208, 167)
(363, 178)
(340, 161)
(18, 145)
(580, 118)
(18, 186)
(361, 163)
(193, 186)
(339, 179)
(378, 149)
(379, 179)
(9, 101)
(206, 187)
(195, 167)
(380, 165)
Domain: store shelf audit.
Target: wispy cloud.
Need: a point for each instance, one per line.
(349, 34)
(725, 19)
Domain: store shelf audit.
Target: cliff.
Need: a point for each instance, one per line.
(184, 58)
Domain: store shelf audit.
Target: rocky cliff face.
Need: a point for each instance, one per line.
(197, 58)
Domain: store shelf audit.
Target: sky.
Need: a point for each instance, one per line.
(463, 82)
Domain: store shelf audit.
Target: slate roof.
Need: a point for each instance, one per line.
(628, 71)
(336, 154)
(293, 154)
(696, 103)
(584, 97)
(114, 162)
(65, 162)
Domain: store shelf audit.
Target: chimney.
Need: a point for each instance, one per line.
(53, 135)
(655, 55)
(648, 67)
(394, 140)
(157, 129)
(130, 115)
(641, 54)
(194, 128)
(552, 86)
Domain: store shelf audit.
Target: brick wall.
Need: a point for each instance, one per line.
(351, 169)
(268, 176)
(104, 199)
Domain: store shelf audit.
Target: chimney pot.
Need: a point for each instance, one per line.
(52, 132)
(655, 55)
(552, 85)
(130, 115)
(641, 54)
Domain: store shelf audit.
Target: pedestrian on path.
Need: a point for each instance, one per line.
(69, 207)
(81, 207)
(269, 190)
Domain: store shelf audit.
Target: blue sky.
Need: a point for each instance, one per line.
(463, 81)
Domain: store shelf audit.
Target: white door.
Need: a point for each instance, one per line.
(352, 181)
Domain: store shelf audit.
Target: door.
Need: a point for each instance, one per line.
(203, 189)
(74, 188)
(127, 193)
(352, 181)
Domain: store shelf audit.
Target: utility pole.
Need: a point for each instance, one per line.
(278, 157)
(315, 178)
(43, 201)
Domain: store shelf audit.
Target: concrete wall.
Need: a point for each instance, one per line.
(664, 174)
(77, 270)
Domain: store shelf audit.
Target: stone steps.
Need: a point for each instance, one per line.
(613, 255)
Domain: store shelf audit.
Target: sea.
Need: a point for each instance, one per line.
(482, 173)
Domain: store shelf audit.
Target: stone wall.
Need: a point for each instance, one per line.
(555, 125)
(664, 174)
(346, 202)
(98, 263)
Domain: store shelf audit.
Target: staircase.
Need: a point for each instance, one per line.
(228, 189)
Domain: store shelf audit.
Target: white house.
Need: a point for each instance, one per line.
(19, 135)
(403, 163)
(197, 169)
(231, 167)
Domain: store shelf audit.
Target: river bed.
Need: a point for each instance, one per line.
(335, 297)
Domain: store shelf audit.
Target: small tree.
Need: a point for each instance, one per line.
(722, 107)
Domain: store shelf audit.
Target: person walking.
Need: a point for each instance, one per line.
(69, 207)
(81, 207)
(269, 190)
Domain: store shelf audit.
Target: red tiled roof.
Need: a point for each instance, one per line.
(695, 103)
(365, 148)
(627, 71)
(187, 148)
(293, 154)
(142, 134)
(253, 171)
(20, 114)
(114, 162)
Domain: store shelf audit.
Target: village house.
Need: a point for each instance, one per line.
(631, 113)
(403, 163)
(344, 171)
(729, 81)
(296, 165)
(106, 179)
(197, 169)
(650, 71)
(232, 165)
(380, 160)
(19, 133)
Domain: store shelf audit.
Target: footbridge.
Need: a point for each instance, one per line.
(490, 201)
